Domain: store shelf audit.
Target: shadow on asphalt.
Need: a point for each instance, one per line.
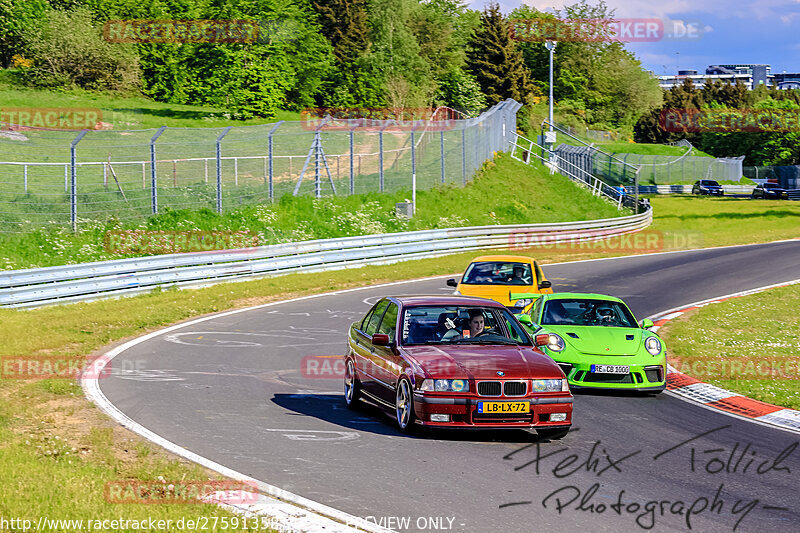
(369, 418)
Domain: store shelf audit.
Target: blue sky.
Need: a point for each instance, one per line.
(734, 31)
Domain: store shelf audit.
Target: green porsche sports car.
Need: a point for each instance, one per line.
(596, 341)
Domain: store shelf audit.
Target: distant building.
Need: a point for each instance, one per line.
(752, 75)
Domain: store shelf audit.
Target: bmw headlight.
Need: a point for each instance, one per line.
(652, 345)
(547, 385)
(445, 385)
(556, 343)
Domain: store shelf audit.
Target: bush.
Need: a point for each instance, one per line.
(69, 51)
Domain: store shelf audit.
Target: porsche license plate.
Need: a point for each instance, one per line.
(611, 369)
(504, 407)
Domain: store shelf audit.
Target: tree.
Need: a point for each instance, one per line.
(496, 62)
(344, 23)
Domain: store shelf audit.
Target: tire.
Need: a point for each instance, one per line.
(352, 388)
(404, 406)
(552, 433)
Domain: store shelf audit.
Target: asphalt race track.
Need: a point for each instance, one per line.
(232, 389)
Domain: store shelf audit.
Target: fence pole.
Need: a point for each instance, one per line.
(144, 176)
(413, 175)
(205, 169)
(317, 184)
(380, 156)
(153, 181)
(463, 155)
(352, 160)
(271, 183)
(441, 149)
(219, 167)
(66, 178)
(73, 194)
(25, 172)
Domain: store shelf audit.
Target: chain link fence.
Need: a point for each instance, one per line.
(58, 177)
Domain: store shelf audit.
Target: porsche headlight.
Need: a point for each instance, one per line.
(445, 385)
(652, 345)
(556, 343)
(548, 385)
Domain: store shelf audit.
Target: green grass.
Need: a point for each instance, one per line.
(738, 345)
(622, 147)
(504, 192)
(726, 221)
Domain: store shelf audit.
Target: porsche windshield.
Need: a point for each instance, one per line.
(585, 312)
(498, 273)
(461, 325)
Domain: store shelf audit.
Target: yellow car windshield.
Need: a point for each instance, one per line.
(498, 273)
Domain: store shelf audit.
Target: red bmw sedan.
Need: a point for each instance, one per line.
(455, 361)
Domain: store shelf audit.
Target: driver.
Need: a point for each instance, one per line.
(605, 314)
(476, 322)
(518, 277)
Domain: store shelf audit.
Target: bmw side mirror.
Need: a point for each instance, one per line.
(545, 285)
(380, 339)
(452, 283)
(647, 323)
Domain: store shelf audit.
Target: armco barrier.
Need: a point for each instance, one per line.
(42, 286)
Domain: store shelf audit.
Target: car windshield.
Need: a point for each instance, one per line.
(587, 312)
(771, 186)
(498, 273)
(709, 182)
(461, 325)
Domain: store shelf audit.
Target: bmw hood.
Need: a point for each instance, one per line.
(483, 361)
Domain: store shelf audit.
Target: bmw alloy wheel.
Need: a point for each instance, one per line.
(404, 405)
(351, 387)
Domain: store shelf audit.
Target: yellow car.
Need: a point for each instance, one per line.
(497, 276)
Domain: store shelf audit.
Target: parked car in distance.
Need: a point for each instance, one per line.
(770, 191)
(496, 276)
(707, 187)
(454, 361)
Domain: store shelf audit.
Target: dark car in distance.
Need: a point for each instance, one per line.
(707, 187)
(771, 191)
(455, 361)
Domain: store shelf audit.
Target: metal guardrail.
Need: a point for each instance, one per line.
(687, 189)
(60, 284)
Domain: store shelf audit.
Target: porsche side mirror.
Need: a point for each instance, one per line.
(380, 339)
(647, 323)
(452, 283)
(525, 319)
(545, 285)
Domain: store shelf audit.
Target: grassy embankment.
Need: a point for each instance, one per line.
(505, 192)
(748, 345)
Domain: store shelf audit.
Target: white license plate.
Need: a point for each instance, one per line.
(611, 369)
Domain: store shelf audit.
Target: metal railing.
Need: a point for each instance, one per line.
(60, 284)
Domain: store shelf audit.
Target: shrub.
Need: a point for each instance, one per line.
(68, 50)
